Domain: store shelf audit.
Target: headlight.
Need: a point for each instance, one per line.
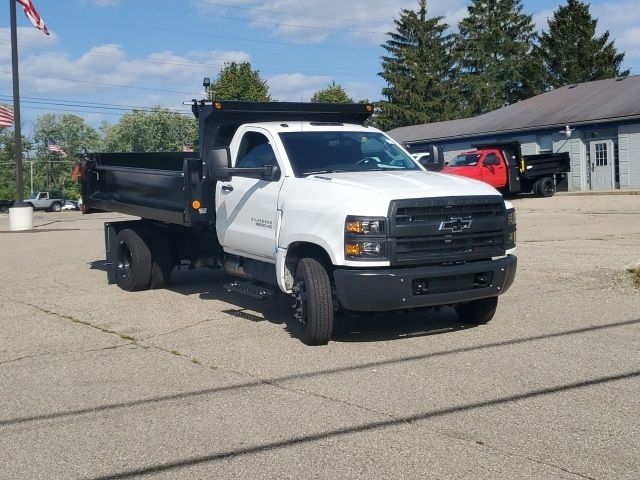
(510, 241)
(364, 226)
(365, 238)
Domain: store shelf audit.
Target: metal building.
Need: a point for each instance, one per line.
(598, 123)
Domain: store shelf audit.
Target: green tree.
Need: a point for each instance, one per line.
(8, 166)
(158, 130)
(52, 171)
(238, 81)
(333, 93)
(418, 70)
(494, 50)
(571, 51)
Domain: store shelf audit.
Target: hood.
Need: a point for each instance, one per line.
(407, 184)
(469, 171)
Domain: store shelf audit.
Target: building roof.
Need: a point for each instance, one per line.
(601, 101)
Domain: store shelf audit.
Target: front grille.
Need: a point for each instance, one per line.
(443, 230)
(412, 215)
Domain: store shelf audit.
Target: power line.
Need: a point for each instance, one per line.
(279, 24)
(135, 87)
(259, 10)
(102, 106)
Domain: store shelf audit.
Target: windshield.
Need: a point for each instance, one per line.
(328, 152)
(465, 160)
(34, 195)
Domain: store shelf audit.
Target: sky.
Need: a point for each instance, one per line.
(106, 57)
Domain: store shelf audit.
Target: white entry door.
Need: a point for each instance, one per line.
(602, 164)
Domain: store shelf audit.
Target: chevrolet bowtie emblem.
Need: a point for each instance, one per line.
(455, 225)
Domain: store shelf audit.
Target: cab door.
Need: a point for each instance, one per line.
(494, 170)
(247, 212)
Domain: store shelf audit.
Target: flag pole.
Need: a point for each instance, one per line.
(16, 103)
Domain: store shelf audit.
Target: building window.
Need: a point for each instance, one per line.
(601, 155)
(545, 143)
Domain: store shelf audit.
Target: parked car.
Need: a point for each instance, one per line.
(70, 205)
(49, 201)
(5, 205)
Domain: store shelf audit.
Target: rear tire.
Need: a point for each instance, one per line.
(314, 302)
(477, 312)
(133, 261)
(4, 209)
(546, 187)
(55, 207)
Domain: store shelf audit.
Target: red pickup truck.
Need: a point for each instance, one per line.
(504, 167)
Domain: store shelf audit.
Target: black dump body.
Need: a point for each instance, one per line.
(157, 186)
(178, 187)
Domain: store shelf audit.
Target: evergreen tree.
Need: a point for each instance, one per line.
(238, 81)
(571, 51)
(418, 70)
(494, 51)
(333, 93)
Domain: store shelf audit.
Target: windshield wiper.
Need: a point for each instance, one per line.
(317, 172)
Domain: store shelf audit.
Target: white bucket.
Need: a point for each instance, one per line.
(20, 218)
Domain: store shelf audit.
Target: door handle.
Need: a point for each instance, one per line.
(227, 188)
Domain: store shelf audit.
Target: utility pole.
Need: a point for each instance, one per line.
(16, 103)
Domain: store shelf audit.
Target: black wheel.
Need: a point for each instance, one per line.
(133, 261)
(55, 207)
(534, 187)
(162, 260)
(4, 209)
(546, 187)
(314, 302)
(477, 312)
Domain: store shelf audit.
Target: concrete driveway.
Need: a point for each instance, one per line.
(193, 382)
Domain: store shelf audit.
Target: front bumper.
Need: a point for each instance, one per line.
(382, 290)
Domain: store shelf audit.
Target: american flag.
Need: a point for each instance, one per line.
(6, 117)
(55, 148)
(33, 15)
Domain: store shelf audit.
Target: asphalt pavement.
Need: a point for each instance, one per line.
(195, 382)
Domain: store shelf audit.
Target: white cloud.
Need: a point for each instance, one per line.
(107, 74)
(296, 87)
(311, 21)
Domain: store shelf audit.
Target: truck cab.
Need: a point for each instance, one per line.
(487, 165)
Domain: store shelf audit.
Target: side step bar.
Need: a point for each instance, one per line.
(249, 289)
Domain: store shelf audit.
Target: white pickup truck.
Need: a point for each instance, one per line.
(305, 198)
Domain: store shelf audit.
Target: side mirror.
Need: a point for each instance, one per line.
(219, 164)
(271, 173)
(435, 161)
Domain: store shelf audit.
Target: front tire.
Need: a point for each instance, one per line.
(4, 209)
(314, 302)
(477, 312)
(133, 261)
